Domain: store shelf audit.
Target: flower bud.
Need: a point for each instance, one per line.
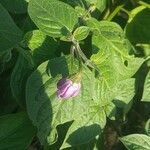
(66, 88)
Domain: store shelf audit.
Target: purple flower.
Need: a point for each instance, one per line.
(66, 88)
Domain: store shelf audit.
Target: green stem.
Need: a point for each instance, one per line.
(83, 56)
(79, 58)
(90, 9)
(144, 4)
(106, 14)
(126, 11)
(115, 12)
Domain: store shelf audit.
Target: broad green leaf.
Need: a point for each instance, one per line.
(80, 11)
(110, 110)
(27, 25)
(136, 142)
(15, 6)
(7, 102)
(62, 130)
(47, 111)
(111, 52)
(125, 91)
(137, 28)
(42, 48)
(74, 3)
(10, 34)
(4, 59)
(81, 33)
(54, 18)
(146, 92)
(87, 111)
(19, 76)
(16, 132)
(111, 55)
(147, 127)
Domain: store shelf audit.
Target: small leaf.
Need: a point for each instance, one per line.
(136, 142)
(146, 92)
(81, 33)
(16, 131)
(54, 18)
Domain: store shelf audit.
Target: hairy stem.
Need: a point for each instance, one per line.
(82, 56)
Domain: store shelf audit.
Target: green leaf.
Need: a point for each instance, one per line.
(15, 6)
(111, 55)
(146, 92)
(27, 25)
(5, 57)
(19, 76)
(110, 110)
(136, 142)
(99, 4)
(147, 127)
(10, 34)
(111, 52)
(42, 48)
(137, 28)
(7, 103)
(54, 18)
(16, 132)
(81, 33)
(74, 3)
(47, 111)
(125, 91)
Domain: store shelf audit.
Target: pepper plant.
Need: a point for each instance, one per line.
(74, 74)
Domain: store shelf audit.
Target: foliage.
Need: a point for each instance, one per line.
(104, 45)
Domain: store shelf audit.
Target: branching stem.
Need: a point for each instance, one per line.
(82, 56)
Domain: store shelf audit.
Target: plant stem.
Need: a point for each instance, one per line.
(144, 4)
(106, 14)
(126, 11)
(115, 12)
(82, 56)
(90, 9)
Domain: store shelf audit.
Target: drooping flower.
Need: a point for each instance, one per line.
(66, 88)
